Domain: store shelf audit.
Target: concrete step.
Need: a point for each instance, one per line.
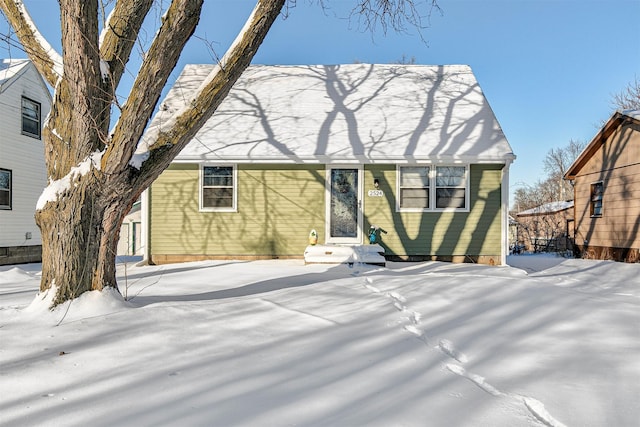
(344, 254)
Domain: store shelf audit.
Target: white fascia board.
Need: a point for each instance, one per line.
(329, 160)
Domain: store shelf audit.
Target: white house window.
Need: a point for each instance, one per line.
(5, 189)
(451, 187)
(31, 123)
(424, 188)
(414, 187)
(597, 189)
(218, 188)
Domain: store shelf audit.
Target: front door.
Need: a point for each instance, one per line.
(344, 217)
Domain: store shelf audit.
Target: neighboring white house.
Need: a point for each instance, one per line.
(130, 243)
(24, 103)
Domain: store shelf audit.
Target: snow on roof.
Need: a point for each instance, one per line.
(547, 208)
(344, 113)
(632, 113)
(9, 68)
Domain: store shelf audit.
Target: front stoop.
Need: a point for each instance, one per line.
(344, 254)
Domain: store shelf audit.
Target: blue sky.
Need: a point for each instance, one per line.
(547, 67)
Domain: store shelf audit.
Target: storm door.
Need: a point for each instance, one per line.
(344, 215)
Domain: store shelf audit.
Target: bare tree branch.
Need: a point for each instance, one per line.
(628, 98)
(120, 34)
(164, 146)
(176, 29)
(45, 58)
(398, 15)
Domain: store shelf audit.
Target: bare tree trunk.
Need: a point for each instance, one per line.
(92, 178)
(80, 233)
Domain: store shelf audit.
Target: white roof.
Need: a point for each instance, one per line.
(548, 208)
(344, 113)
(632, 113)
(9, 68)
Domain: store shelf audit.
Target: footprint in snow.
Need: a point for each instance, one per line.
(417, 332)
(372, 288)
(415, 317)
(368, 284)
(398, 300)
(449, 349)
(412, 329)
(534, 406)
(399, 306)
(396, 297)
(538, 410)
(476, 379)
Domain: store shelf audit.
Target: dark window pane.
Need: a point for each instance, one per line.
(5, 180)
(217, 197)
(218, 171)
(450, 197)
(218, 181)
(597, 191)
(30, 117)
(5, 199)
(450, 176)
(30, 127)
(5, 189)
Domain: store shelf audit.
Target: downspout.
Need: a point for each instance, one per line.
(505, 209)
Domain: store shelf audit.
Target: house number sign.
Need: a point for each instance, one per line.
(375, 193)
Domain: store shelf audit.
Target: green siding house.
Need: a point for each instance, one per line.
(413, 151)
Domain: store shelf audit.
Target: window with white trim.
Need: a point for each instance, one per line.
(218, 188)
(5, 189)
(414, 187)
(31, 120)
(430, 188)
(451, 187)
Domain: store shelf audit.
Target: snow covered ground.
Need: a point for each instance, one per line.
(546, 342)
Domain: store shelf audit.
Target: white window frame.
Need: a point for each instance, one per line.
(24, 117)
(234, 207)
(466, 189)
(399, 189)
(433, 167)
(8, 190)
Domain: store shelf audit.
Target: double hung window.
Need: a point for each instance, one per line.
(451, 187)
(597, 190)
(414, 187)
(218, 188)
(430, 188)
(31, 120)
(5, 189)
